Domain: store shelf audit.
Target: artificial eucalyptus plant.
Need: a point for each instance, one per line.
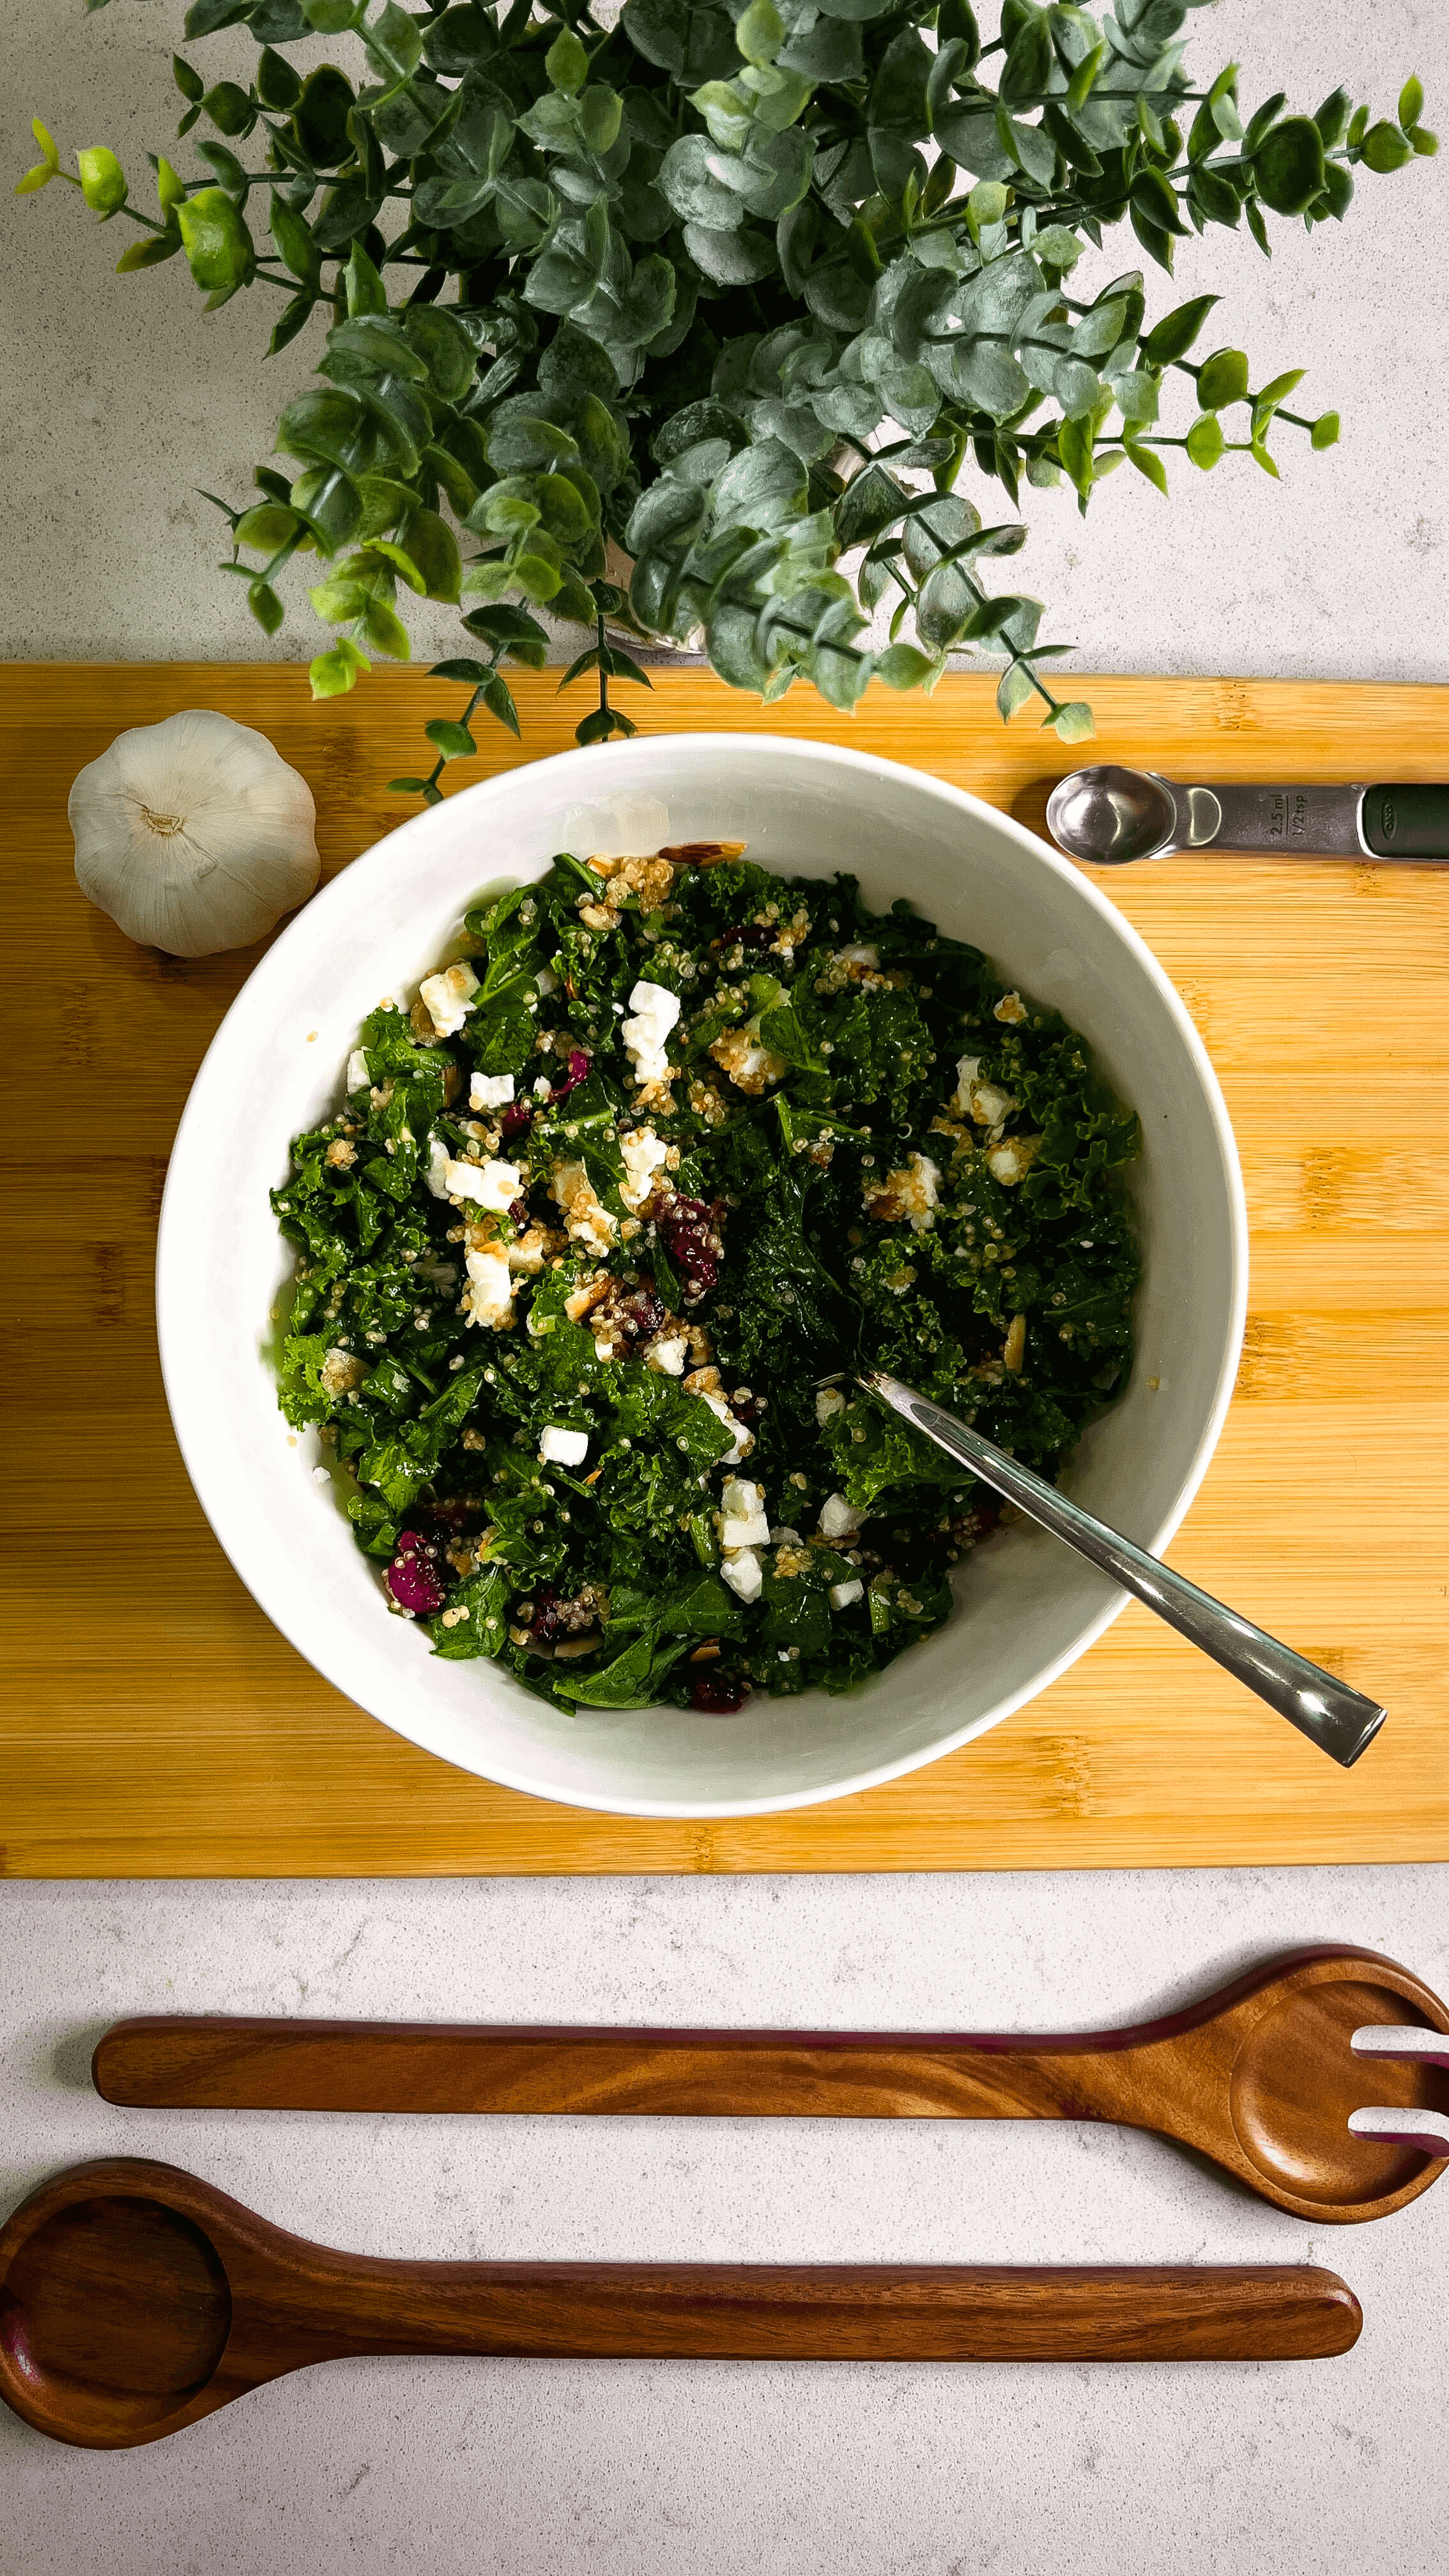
(704, 321)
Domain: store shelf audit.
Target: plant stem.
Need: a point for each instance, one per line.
(603, 670)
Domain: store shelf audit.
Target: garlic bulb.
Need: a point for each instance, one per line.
(194, 835)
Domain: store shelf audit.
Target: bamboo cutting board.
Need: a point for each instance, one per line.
(156, 1725)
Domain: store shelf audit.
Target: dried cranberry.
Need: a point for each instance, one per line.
(514, 1120)
(546, 1619)
(750, 934)
(642, 1312)
(690, 1230)
(518, 1210)
(456, 1512)
(578, 1068)
(719, 1694)
(411, 1578)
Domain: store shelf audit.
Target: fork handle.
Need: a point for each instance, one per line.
(181, 2062)
(1341, 1721)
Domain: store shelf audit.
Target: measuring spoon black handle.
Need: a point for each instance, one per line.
(1406, 822)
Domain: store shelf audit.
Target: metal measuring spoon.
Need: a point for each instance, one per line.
(1340, 1721)
(1108, 816)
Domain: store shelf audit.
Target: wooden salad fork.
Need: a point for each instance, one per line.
(134, 2299)
(1262, 2076)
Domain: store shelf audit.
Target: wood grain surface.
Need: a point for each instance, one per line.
(135, 2299)
(156, 1725)
(1261, 2076)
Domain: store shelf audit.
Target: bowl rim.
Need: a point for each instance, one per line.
(203, 1463)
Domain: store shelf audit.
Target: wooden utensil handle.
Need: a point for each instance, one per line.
(192, 2063)
(836, 2312)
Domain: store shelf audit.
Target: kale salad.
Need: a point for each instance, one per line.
(589, 1257)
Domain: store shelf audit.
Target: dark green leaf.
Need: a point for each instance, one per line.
(1155, 200)
(1288, 165)
(1384, 149)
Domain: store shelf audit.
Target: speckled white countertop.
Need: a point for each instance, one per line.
(693, 2469)
(542, 2469)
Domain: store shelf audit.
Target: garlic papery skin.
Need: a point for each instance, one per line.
(193, 834)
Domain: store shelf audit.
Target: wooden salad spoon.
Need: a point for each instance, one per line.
(135, 2299)
(1261, 2076)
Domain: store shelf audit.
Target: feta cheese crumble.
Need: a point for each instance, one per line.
(449, 997)
(493, 1185)
(742, 1574)
(742, 1515)
(489, 1297)
(644, 1154)
(656, 1011)
(563, 1447)
(439, 1163)
(490, 1090)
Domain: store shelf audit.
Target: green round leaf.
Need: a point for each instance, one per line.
(434, 549)
(454, 741)
(265, 606)
(1337, 194)
(760, 33)
(1205, 441)
(319, 120)
(386, 632)
(1288, 165)
(601, 112)
(1155, 200)
(294, 241)
(278, 86)
(567, 63)
(1411, 103)
(266, 527)
(230, 108)
(103, 181)
(328, 17)
(401, 562)
(217, 244)
(1073, 722)
(1222, 379)
(444, 347)
(1325, 430)
(903, 666)
(1385, 148)
(332, 674)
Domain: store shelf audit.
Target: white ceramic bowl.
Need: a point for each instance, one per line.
(1027, 1607)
